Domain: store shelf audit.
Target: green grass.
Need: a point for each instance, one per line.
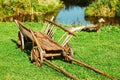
(100, 50)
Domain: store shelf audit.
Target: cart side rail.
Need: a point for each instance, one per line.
(24, 30)
(57, 25)
(52, 29)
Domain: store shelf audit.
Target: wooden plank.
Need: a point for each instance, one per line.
(19, 24)
(25, 31)
(51, 55)
(47, 43)
(42, 39)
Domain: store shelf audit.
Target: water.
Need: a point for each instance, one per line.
(72, 15)
(75, 15)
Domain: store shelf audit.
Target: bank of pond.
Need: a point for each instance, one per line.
(65, 11)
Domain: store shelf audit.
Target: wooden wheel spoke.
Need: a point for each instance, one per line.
(37, 56)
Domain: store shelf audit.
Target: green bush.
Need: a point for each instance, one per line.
(118, 10)
(104, 8)
(9, 9)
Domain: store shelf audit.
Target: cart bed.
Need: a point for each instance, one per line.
(47, 43)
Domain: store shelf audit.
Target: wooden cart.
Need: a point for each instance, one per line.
(43, 44)
(52, 41)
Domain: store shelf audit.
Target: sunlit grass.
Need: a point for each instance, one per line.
(100, 50)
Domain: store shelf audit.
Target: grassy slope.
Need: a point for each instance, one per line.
(101, 50)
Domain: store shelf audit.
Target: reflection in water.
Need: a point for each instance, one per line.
(108, 21)
(75, 15)
(72, 15)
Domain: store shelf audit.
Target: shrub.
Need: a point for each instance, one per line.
(104, 8)
(23, 8)
(118, 10)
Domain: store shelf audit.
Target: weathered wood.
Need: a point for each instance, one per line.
(66, 40)
(90, 27)
(24, 30)
(50, 31)
(48, 27)
(57, 25)
(61, 70)
(47, 43)
(41, 39)
(71, 29)
(62, 37)
(35, 39)
(90, 67)
(51, 54)
(19, 24)
(21, 37)
(36, 53)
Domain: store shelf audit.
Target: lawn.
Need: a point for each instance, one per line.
(100, 50)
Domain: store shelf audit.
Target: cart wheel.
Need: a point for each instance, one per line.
(68, 51)
(21, 40)
(37, 56)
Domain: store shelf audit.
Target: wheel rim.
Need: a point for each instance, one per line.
(21, 40)
(68, 52)
(37, 56)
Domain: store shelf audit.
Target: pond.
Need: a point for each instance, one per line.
(73, 13)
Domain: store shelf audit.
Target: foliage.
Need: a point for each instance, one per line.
(104, 8)
(10, 9)
(81, 3)
(100, 50)
(118, 9)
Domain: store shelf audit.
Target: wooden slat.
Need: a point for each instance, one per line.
(57, 25)
(51, 55)
(25, 31)
(19, 24)
(42, 39)
(47, 43)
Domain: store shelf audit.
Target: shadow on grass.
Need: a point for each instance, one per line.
(14, 41)
(28, 47)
